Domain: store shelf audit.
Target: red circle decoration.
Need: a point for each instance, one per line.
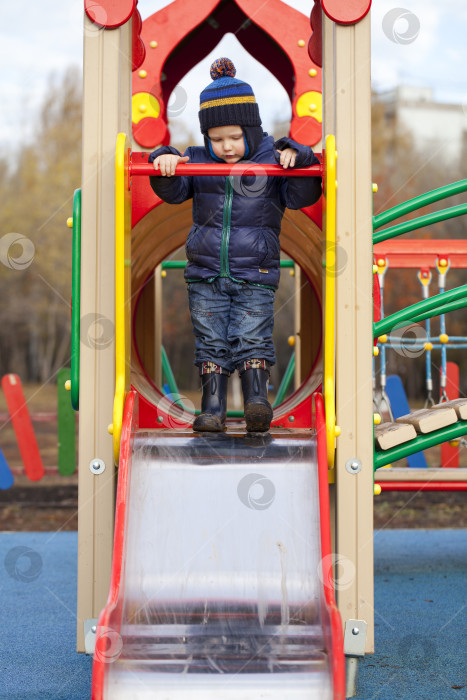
(305, 130)
(150, 132)
(349, 12)
(315, 48)
(109, 13)
(139, 50)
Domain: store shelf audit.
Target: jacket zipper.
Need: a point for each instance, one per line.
(226, 216)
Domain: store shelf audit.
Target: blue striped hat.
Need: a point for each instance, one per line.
(227, 100)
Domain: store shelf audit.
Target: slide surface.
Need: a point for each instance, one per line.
(217, 586)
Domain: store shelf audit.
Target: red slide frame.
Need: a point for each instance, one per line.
(332, 623)
(111, 615)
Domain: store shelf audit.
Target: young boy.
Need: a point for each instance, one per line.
(233, 248)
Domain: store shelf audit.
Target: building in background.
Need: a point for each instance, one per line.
(435, 126)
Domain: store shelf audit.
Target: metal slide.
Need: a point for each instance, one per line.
(217, 586)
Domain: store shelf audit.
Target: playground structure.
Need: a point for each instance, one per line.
(439, 256)
(118, 220)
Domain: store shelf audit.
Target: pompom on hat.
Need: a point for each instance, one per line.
(227, 100)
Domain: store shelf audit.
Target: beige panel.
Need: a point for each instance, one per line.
(106, 111)
(349, 99)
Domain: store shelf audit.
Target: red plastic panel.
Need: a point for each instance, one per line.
(449, 453)
(348, 12)
(298, 417)
(179, 36)
(21, 420)
(109, 13)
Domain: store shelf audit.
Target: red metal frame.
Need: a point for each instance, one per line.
(422, 485)
(237, 169)
(418, 254)
(111, 615)
(333, 635)
(144, 200)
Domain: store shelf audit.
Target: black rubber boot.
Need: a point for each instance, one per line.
(213, 402)
(258, 411)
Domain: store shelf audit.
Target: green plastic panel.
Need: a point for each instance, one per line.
(66, 426)
(75, 299)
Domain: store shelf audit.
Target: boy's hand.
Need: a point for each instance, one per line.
(167, 163)
(287, 159)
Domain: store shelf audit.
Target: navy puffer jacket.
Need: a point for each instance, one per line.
(237, 220)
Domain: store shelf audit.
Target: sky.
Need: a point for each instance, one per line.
(422, 43)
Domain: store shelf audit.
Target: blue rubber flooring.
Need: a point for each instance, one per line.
(420, 616)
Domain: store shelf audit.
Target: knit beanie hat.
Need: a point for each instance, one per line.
(227, 100)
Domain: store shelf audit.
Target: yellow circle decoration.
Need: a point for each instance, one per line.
(310, 104)
(144, 105)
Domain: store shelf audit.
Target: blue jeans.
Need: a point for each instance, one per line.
(232, 322)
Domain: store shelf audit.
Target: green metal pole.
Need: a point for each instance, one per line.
(452, 306)
(174, 265)
(421, 442)
(286, 379)
(167, 370)
(419, 202)
(181, 264)
(422, 221)
(421, 310)
(66, 426)
(75, 299)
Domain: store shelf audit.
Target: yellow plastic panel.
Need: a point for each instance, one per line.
(122, 286)
(330, 186)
